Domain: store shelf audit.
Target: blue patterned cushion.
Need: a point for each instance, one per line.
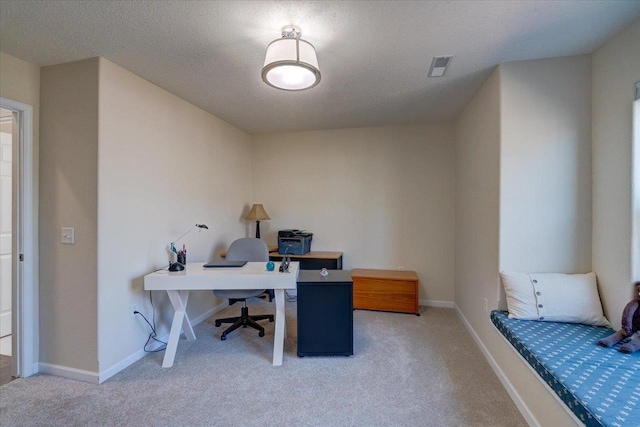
(600, 385)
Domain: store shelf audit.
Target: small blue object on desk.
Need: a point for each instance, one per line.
(271, 266)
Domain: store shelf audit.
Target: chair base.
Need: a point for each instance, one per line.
(244, 320)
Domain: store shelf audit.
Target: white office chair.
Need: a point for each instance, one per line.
(246, 249)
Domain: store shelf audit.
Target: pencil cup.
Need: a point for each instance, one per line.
(182, 259)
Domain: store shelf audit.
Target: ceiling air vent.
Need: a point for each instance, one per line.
(439, 65)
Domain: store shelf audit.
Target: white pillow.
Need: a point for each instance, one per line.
(554, 297)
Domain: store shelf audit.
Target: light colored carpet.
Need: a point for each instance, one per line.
(406, 371)
(5, 369)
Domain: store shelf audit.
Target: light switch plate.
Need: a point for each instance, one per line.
(68, 235)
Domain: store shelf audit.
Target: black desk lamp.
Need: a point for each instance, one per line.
(257, 214)
(177, 266)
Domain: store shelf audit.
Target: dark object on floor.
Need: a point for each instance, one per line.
(244, 320)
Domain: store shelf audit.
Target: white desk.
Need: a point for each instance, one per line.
(194, 277)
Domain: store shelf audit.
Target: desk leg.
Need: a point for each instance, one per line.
(181, 321)
(186, 323)
(278, 340)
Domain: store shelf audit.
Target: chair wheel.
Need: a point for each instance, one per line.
(222, 338)
(260, 334)
(217, 324)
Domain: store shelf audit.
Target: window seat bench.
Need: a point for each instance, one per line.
(600, 386)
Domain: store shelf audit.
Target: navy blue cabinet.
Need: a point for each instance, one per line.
(325, 313)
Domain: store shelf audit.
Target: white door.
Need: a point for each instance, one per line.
(5, 242)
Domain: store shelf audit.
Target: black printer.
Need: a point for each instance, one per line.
(294, 242)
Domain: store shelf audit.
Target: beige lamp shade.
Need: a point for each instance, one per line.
(257, 213)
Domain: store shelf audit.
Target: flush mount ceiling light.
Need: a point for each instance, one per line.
(291, 63)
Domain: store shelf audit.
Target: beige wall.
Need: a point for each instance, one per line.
(478, 203)
(528, 117)
(477, 250)
(545, 192)
(130, 167)
(20, 81)
(68, 198)
(382, 195)
(545, 165)
(164, 165)
(616, 69)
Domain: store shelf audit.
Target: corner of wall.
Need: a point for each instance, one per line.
(615, 68)
(68, 197)
(149, 124)
(495, 141)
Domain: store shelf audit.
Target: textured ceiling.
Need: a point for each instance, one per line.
(374, 56)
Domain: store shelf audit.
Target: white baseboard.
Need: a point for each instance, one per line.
(543, 382)
(522, 407)
(108, 373)
(422, 302)
(66, 372)
(432, 303)
(204, 316)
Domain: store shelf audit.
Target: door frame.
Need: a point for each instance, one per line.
(25, 337)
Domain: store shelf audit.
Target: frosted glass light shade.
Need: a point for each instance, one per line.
(291, 64)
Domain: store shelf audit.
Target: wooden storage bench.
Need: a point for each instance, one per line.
(386, 290)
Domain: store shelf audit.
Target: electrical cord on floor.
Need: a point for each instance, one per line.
(153, 335)
(291, 298)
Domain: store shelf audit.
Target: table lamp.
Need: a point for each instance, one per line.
(177, 266)
(257, 214)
